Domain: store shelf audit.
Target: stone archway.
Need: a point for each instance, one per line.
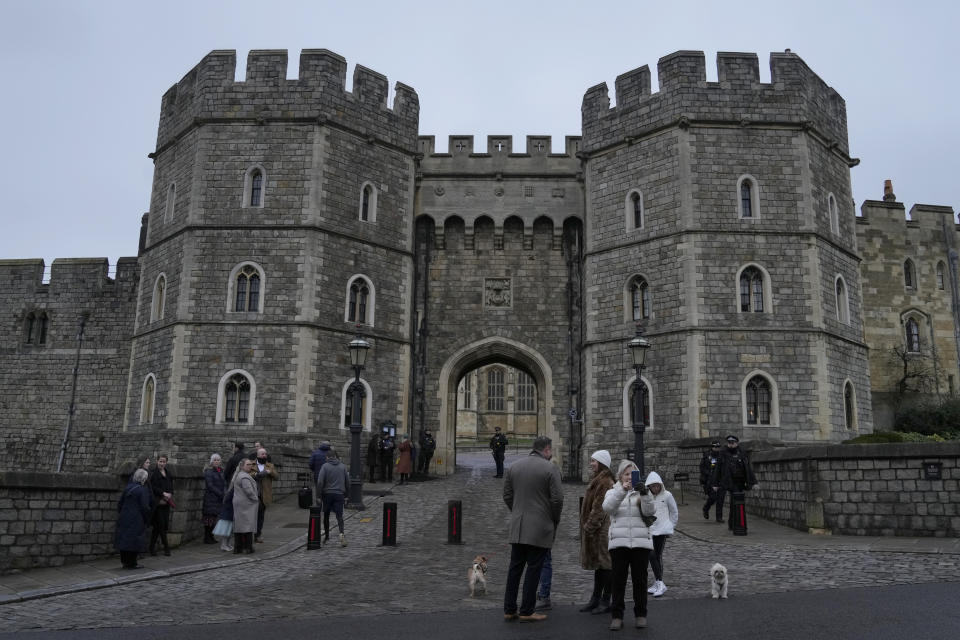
(478, 354)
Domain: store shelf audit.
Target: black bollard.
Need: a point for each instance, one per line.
(454, 521)
(738, 509)
(315, 529)
(389, 524)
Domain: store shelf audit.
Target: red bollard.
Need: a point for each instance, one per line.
(454, 522)
(738, 508)
(389, 524)
(315, 529)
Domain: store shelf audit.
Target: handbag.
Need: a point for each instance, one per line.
(223, 528)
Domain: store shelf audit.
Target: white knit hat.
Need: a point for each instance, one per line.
(602, 456)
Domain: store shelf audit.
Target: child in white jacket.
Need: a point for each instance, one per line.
(667, 516)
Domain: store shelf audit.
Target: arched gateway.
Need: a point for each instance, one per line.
(480, 353)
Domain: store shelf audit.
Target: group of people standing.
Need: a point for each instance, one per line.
(383, 454)
(625, 521)
(235, 500)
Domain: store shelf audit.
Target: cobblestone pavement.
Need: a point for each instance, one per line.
(424, 574)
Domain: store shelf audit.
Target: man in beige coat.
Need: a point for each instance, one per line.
(534, 496)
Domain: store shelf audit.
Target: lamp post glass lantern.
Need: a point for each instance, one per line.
(638, 346)
(358, 356)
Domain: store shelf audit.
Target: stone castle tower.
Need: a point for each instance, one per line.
(286, 215)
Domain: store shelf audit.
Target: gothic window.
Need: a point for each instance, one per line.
(171, 202)
(909, 274)
(368, 203)
(495, 393)
(849, 406)
(526, 393)
(159, 298)
(247, 289)
(468, 391)
(758, 400)
(346, 404)
(254, 187)
(751, 290)
(235, 402)
(748, 198)
(913, 336)
(147, 399)
(361, 297)
(834, 216)
(639, 299)
(843, 302)
(633, 210)
(940, 270)
(35, 328)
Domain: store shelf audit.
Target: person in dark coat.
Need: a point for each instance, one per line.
(333, 483)
(213, 489)
(708, 463)
(133, 515)
(534, 496)
(498, 446)
(427, 446)
(161, 485)
(733, 473)
(373, 455)
(318, 457)
(387, 447)
(231, 468)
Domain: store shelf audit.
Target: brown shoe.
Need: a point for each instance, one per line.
(533, 617)
(510, 617)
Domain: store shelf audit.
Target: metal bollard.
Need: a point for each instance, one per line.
(454, 521)
(315, 529)
(389, 524)
(738, 509)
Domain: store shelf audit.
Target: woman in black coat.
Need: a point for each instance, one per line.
(134, 514)
(161, 484)
(213, 488)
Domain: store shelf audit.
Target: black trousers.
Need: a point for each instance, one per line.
(423, 462)
(498, 458)
(373, 470)
(634, 561)
(529, 557)
(656, 558)
(715, 498)
(128, 559)
(386, 470)
(161, 522)
(261, 512)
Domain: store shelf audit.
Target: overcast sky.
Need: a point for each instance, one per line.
(83, 79)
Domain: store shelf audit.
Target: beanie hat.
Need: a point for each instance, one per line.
(602, 456)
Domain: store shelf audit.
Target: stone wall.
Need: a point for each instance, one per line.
(875, 489)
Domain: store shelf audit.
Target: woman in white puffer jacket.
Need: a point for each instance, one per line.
(667, 516)
(630, 543)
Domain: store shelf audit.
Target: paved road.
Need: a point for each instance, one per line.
(362, 583)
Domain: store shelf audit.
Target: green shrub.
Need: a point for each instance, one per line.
(929, 418)
(877, 437)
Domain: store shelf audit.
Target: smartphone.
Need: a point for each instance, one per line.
(635, 478)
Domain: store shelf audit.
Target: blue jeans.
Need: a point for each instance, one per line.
(531, 557)
(546, 576)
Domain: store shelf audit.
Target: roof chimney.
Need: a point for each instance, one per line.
(888, 195)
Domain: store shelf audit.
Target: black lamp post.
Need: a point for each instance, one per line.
(638, 351)
(358, 357)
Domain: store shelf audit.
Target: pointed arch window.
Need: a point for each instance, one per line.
(849, 406)
(171, 202)
(247, 289)
(236, 399)
(359, 293)
(646, 402)
(254, 187)
(148, 399)
(468, 390)
(748, 198)
(633, 210)
(159, 298)
(751, 290)
(940, 278)
(495, 390)
(639, 299)
(758, 400)
(368, 203)
(843, 302)
(834, 215)
(526, 393)
(913, 335)
(909, 274)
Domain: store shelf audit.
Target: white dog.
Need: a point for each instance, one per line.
(718, 581)
(477, 576)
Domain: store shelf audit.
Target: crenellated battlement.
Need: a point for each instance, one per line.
(66, 274)
(795, 94)
(210, 92)
(892, 216)
(499, 156)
